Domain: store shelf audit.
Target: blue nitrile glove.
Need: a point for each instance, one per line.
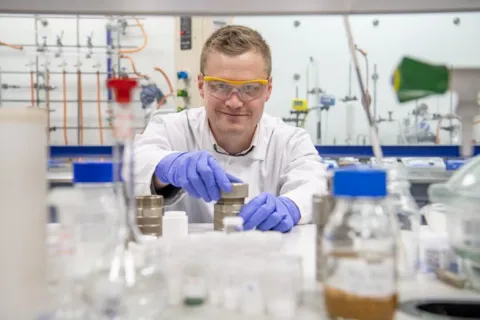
(268, 212)
(149, 94)
(198, 173)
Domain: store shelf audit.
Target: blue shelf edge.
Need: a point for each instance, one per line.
(324, 151)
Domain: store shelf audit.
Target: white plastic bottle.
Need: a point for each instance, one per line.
(96, 214)
(174, 224)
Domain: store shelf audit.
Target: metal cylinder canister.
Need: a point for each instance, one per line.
(322, 207)
(229, 204)
(150, 214)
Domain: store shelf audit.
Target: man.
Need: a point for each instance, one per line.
(203, 150)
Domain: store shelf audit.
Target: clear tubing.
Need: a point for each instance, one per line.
(377, 150)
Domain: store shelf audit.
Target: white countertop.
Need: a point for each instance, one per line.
(301, 240)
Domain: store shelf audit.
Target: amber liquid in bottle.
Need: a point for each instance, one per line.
(345, 304)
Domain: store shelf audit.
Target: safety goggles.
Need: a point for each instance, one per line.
(247, 90)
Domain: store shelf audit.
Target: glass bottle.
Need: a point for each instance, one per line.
(408, 219)
(359, 245)
(120, 286)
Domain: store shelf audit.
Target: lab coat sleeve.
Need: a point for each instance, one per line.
(149, 148)
(303, 174)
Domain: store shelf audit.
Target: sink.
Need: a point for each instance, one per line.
(442, 309)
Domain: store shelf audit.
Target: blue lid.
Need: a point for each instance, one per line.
(359, 181)
(454, 164)
(92, 172)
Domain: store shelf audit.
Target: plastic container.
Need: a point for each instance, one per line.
(175, 224)
(96, 211)
(359, 243)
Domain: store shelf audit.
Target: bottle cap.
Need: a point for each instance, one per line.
(92, 172)
(123, 88)
(359, 181)
(175, 214)
(235, 221)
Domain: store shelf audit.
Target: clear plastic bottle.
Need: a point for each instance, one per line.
(359, 245)
(408, 219)
(96, 212)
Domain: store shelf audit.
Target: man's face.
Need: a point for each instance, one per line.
(234, 106)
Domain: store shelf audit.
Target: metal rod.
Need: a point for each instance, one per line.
(67, 72)
(79, 79)
(71, 46)
(59, 101)
(37, 76)
(375, 78)
(88, 127)
(0, 87)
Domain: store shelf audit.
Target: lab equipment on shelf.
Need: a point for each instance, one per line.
(229, 204)
(175, 224)
(360, 246)
(461, 197)
(414, 79)
(23, 163)
(149, 214)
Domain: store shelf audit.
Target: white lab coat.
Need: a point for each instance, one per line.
(283, 161)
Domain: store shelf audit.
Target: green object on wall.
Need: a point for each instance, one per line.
(414, 79)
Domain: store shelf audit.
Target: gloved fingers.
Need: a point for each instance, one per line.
(285, 225)
(261, 214)
(180, 178)
(233, 179)
(190, 185)
(220, 175)
(249, 208)
(196, 180)
(206, 175)
(272, 221)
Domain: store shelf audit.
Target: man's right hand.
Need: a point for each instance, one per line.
(198, 173)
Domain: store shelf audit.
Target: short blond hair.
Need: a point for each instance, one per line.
(234, 40)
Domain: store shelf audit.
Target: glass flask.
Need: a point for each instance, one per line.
(359, 244)
(120, 286)
(408, 219)
(461, 197)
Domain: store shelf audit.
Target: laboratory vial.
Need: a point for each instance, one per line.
(232, 224)
(175, 224)
(359, 244)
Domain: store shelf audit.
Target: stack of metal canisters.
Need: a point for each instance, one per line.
(322, 207)
(150, 215)
(229, 204)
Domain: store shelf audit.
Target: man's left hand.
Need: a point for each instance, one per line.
(268, 212)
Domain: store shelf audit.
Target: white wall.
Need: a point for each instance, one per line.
(427, 36)
(432, 37)
(20, 30)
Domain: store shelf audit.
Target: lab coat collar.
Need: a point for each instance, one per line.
(207, 142)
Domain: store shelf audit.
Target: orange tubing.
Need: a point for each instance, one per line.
(80, 106)
(32, 88)
(170, 86)
(99, 108)
(13, 46)
(64, 83)
(47, 101)
(134, 69)
(145, 40)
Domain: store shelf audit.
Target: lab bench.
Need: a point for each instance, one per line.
(301, 241)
